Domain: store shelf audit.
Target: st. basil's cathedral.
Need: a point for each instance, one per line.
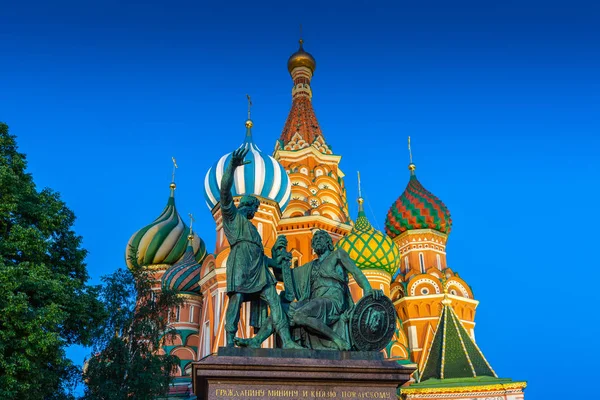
(301, 189)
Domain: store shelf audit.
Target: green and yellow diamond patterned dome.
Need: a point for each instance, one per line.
(368, 247)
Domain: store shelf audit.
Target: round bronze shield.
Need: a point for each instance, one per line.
(372, 323)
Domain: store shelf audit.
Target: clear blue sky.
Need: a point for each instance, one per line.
(501, 100)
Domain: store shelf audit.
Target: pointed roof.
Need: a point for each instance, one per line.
(301, 126)
(453, 353)
(301, 129)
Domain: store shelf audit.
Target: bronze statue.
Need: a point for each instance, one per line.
(321, 315)
(248, 274)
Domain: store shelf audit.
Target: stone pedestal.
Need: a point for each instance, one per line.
(236, 373)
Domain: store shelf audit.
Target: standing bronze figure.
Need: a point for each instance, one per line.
(248, 274)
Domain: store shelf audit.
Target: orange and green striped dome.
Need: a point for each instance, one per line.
(417, 208)
(368, 247)
(184, 275)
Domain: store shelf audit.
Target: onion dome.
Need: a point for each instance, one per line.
(417, 208)
(184, 275)
(368, 247)
(164, 240)
(263, 176)
(301, 58)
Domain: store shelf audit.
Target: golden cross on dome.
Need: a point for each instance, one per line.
(174, 168)
(409, 150)
(249, 104)
(359, 191)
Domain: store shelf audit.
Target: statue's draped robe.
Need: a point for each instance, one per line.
(325, 285)
(247, 266)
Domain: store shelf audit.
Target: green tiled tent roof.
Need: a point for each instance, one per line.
(417, 208)
(453, 354)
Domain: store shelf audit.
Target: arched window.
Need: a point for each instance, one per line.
(177, 313)
(439, 261)
(406, 265)
(260, 229)
(422, 262)
(192, 313)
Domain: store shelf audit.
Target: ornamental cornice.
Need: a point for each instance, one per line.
(296, 156)
(311, 222)
(452, 297)
(501, 388)
(377, 272)
(412, 232)
(157, 267)
(188, 296)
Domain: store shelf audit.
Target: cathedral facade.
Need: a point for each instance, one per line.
(301, 189)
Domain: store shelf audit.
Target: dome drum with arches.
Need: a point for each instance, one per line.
(262, 177)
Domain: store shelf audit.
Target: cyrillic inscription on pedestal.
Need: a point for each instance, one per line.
(236, 391)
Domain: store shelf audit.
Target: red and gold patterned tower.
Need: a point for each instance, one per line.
(419, 224)
(318, 198)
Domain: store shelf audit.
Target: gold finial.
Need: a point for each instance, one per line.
(249, 121)
(446, 300)
(360, 199)
(172, 185)
(412, 167)
(301, 41)
(249, 104)
(191, 234)
(174, 168)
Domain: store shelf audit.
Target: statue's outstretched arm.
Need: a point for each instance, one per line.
(237, 159)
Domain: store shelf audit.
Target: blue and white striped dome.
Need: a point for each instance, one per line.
(263, 177)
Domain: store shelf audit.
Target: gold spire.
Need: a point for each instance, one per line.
(411, 167)
(360, 198)
(301, 58)
(191, 234)
(172, 185)
(249, 120)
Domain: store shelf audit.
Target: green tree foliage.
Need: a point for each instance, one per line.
(126, 364)
(45, 302)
